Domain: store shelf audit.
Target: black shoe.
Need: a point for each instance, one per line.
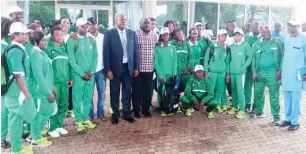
(136, 115)
(4, 144)
(130, 120)
(147, 114)
(293, 127)
(285, 124)
(248, 108)
(115, 121)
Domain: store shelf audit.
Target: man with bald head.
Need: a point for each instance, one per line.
(277, 30)
(247, 29)
(266, 68)
(142, 85)
(121, 64)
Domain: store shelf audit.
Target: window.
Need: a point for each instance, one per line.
(230, 12)
(206, 13)
(281, 15)
(172, 10)
(260, 13)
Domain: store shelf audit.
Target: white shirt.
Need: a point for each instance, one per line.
(122, 35)
(99, 41)
(208, 33)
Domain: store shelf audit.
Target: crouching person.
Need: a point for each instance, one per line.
(199, 93)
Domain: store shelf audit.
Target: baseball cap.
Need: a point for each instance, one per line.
(293, 22)
(197, 24)
(164, 30)
(80, 21)
(198, 68)
(92, 20)
(238, 30)
(18, 27)
(15, 9)
(221, 31)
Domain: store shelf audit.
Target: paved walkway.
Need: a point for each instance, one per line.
(180, 134)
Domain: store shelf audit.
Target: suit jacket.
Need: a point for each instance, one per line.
(113, 52)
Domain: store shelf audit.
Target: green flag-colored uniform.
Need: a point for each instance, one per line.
(249, 76)
(199, 89)
(183, 52)
(165, 63)
(19, 108)
(267, 61)
(61, 69)
(83, 58)
(4, 110)
(241, 57)
(217, 67)
(41, 85)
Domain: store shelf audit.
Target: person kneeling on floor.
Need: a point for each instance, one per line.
(199, 93)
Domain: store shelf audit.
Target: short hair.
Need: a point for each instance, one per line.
(266, 27)
(118, 15)
(55, 29)
(36, 37)
(55, 23)
(5, 27)
(192, 29)
(65, 18)
(175, 32)
(152, 18)
(168, 22)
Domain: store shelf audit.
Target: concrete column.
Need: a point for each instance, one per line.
(169, 10)
(149, 8)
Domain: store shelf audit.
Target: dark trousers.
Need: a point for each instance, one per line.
(70, 107)
(126, 80)
(141, 92)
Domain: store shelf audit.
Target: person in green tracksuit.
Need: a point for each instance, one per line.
(199, 93)
(196, 49)
(183, 51)
(165, 62)
(58, 54)
(83, 58)
(17, 99)
(216, 65)
(204, 41)
(267, 63)
(42, 88)
(5, 42)
(240, 59)
(256, 35)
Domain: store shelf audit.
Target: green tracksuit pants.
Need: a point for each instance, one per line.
(237, 85)
(183, 81)
(188, 104)
(248, 85)
(82, 96)
(267, 78)
(4, 119)
(44, 112)
(17, 114)
(224, 99)
(62, 95)
(217, 83)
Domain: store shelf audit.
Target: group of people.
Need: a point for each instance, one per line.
(46, 72)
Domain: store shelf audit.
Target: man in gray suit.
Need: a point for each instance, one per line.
(121, 64)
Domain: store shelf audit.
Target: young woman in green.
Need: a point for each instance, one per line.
(196, 49)
(42, 88)
(165, 62)
(183, 51)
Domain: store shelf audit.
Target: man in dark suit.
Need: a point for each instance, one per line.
(121, 64)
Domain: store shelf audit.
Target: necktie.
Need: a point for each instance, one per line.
(123, 42)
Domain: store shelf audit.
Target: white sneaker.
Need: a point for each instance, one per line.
(54, 134)
(61, 131)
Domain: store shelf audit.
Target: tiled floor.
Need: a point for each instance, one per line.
(180, 134)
